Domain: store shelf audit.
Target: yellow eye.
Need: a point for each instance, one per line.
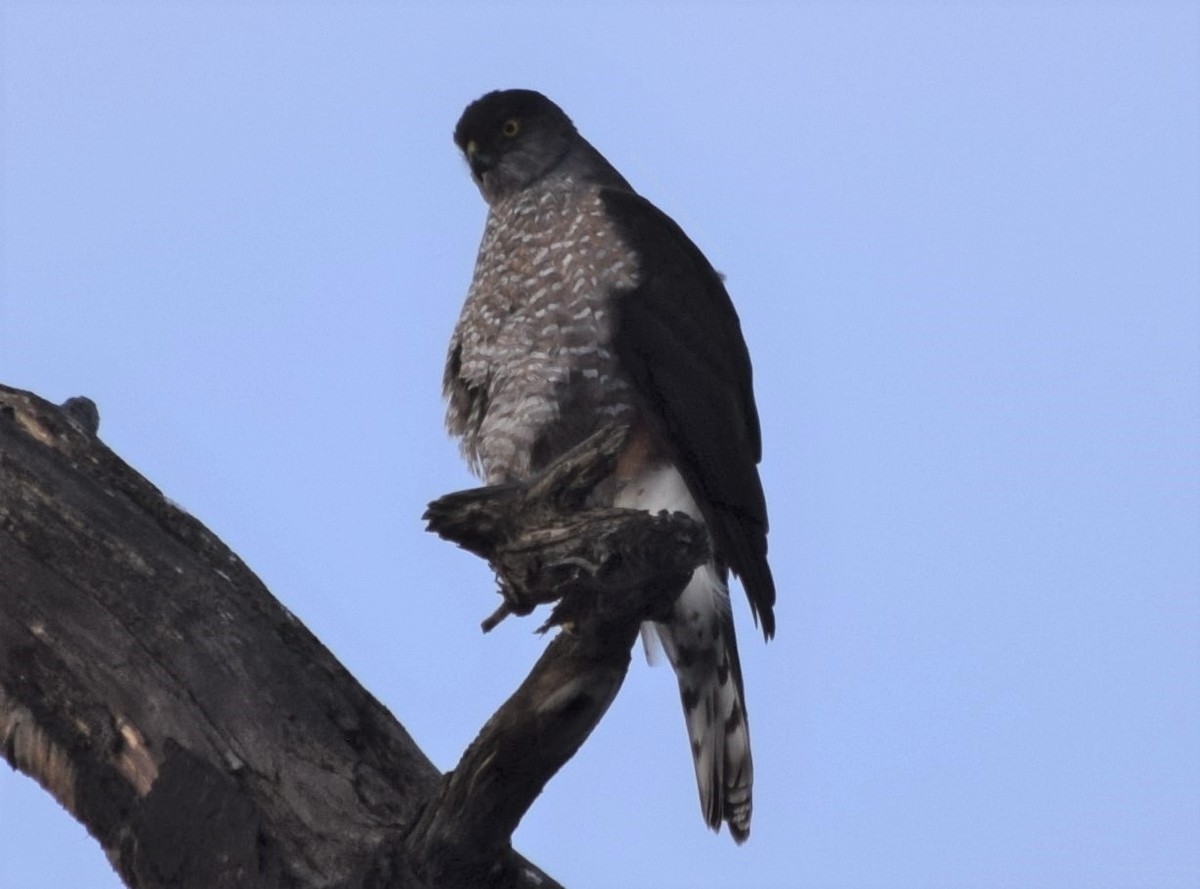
(511, 127)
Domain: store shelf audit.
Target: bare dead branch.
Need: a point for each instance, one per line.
(609, 570)
(152, 684)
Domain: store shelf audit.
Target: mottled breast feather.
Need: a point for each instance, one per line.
(530, 371)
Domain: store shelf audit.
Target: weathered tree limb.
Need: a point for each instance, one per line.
(610, 569)
(151, 683)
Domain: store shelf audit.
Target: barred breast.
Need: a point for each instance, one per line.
(530, 372)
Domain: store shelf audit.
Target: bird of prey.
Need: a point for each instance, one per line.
(589, 306)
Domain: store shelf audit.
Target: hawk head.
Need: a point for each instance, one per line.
(511, 139)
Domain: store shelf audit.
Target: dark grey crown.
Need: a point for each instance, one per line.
(514, 138)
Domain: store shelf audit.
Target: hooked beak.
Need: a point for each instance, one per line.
(479, 161)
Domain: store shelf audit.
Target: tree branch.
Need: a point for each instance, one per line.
(610, 570)
(152, 684)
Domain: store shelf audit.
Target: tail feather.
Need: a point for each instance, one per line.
(698, 642)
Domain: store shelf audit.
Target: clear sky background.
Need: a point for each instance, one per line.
(964, 241)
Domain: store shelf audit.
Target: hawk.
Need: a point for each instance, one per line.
(589, 306)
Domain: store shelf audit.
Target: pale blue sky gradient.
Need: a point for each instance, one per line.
(964, 240)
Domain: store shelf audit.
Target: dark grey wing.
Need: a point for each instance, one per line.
(679, 339)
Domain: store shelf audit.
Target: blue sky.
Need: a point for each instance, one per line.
(964, 241)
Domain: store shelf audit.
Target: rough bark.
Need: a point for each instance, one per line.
(609, 570)
(151, 683)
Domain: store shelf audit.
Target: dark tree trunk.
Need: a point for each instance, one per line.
(151, 683)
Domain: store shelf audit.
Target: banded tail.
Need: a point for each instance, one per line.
(700, 644)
